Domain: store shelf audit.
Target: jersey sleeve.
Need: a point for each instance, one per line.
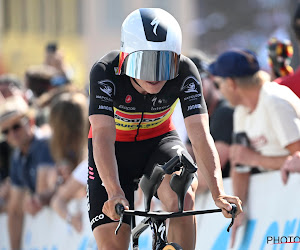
(102, 90)
(191, 93)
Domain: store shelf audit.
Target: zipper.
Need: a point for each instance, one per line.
(139, 125)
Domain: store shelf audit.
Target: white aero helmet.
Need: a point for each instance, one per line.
(150, 45)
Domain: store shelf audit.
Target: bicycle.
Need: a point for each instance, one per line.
(157, 220)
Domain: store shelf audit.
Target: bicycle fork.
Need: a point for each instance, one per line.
(158, 229)
(159, 235)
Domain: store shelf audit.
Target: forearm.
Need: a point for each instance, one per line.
(60, 206)
(15, 228)
(46, 197)
(208, 161)
(104, 156)
(268, 162)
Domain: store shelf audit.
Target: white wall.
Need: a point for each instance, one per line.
(274, 210)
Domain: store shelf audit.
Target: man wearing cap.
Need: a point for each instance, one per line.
(9, 85)
(266, 112)
(30, 154)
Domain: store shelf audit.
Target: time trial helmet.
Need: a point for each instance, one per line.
(150, 45)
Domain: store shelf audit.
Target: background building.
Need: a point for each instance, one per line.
(87, 29)
(84, 30)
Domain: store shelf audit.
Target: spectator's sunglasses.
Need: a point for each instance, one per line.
(14, 127)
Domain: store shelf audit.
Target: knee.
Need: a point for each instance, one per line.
(171, 205)
(189, 200)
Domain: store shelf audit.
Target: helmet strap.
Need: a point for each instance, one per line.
(136, 82)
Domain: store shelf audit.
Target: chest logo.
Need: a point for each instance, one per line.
(154, 99)
(128, 99)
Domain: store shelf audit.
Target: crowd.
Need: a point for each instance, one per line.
(44, 129)
(254, 121)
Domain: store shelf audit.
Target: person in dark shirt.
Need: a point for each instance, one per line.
(30, 163)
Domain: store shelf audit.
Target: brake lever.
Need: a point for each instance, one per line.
(120, 211)
(233, 212)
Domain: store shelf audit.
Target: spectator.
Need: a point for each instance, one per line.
(69, 123)
(280, 55)
(5, 151)
(292, 80)
(55, 58)
(73, 188)
(267, 112)
(31, 164)
(291, 165)
(38, 78)
(10, 85)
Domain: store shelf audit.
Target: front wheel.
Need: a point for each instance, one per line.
(172, 246)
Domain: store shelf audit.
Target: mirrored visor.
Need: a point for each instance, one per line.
(152, 65)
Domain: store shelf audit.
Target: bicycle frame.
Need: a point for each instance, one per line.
(156, 220)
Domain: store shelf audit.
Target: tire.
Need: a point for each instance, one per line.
(172, 246)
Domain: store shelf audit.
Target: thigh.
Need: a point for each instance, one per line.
(167, 147)
(132, 157)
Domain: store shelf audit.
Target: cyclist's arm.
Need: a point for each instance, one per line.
(206, 155)
(104, 134)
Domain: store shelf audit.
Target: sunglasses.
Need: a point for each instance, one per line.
(14, 127)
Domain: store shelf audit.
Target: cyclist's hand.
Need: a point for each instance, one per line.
(109, 206)
(240, 220)
(223, 202)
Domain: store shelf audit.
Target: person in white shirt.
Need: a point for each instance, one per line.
(266, 112)
(71, 189)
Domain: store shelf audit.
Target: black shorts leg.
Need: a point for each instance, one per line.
(133, 159)
(96, 195)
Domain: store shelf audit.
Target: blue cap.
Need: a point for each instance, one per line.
(235, 63)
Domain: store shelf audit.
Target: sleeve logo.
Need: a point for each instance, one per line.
(189, 85)
(107, 87)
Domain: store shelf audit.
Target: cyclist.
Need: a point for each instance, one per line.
(133, 93)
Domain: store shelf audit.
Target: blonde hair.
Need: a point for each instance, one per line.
(257, 79)
(69, 122)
